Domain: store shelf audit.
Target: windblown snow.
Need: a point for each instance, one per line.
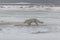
(51, 31)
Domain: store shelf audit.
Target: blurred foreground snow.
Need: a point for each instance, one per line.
(49, 32)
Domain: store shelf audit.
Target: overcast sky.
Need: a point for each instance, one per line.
(36, 1)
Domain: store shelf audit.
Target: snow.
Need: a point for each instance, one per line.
(28, 8)
(49, 32)
(15, 33)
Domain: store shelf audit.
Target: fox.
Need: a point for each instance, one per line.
(29, 21)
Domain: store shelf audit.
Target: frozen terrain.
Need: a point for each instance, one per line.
(49, 32)
(30, 8)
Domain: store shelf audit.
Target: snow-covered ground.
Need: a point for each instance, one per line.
(34, 8)
(49, 32)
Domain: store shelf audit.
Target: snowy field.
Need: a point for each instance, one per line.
(49, 32)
